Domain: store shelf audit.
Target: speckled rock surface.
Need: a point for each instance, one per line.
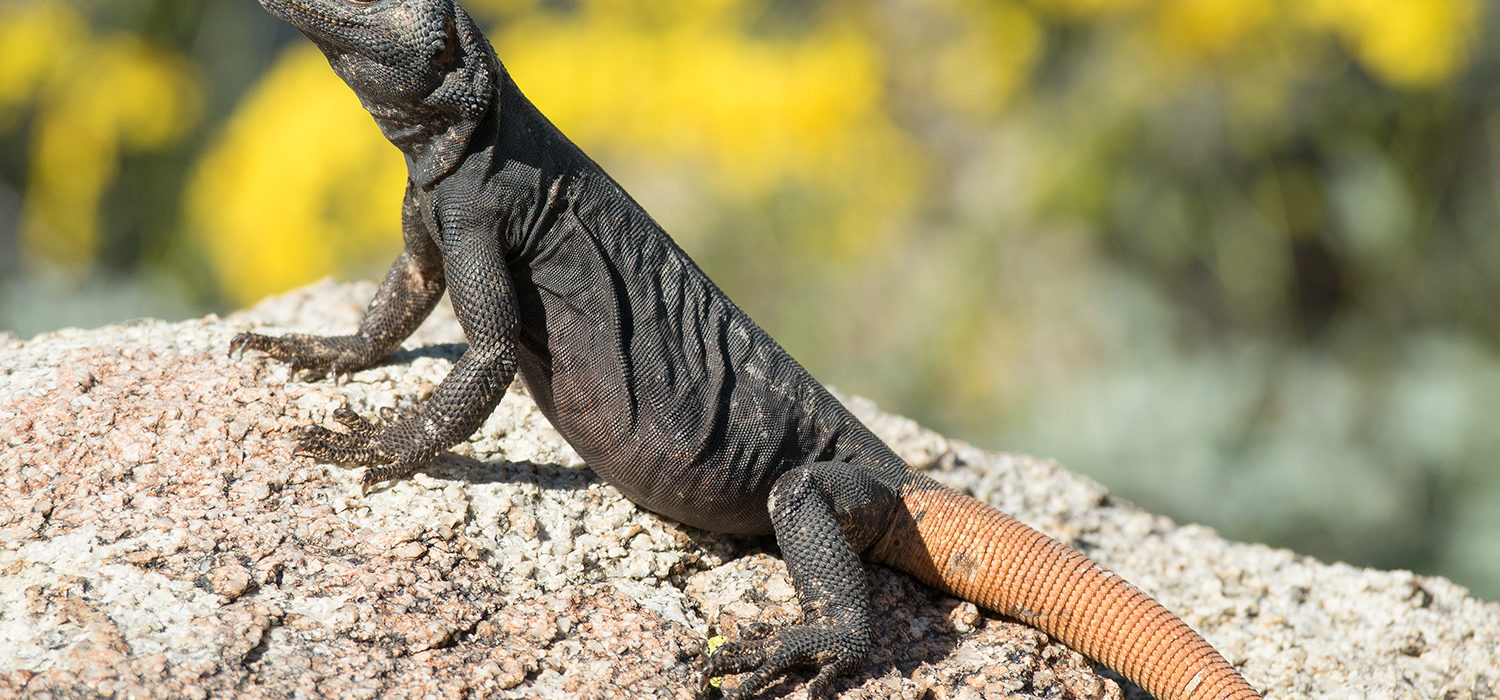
(158, 539)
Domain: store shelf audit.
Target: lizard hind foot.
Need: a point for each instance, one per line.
(767, 657)
(362, 441)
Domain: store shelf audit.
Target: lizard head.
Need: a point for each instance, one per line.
(420, 67)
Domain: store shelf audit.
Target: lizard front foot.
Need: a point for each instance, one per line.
(767, 656)
(317, 356)
(380, 447)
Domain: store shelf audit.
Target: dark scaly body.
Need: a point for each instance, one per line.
(660, 382)
(663, 386)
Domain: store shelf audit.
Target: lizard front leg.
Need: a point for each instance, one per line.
(823, 514)
(484, 301)
(410, 290)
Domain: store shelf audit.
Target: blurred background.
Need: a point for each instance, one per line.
(1238, 260)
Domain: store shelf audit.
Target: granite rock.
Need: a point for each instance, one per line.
(159, 539)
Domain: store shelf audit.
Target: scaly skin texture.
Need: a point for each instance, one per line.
(961, 546)
(664, 387)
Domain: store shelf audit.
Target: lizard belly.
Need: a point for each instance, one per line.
(700, 453)
(695, 431)
(664, 387)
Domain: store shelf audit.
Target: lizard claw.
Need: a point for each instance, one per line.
(365, 483)
(237, 344)
(384, 472)
(343, 372)
(307, 369)
(249, 340)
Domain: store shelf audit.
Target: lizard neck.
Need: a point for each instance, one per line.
(433, 142)
(435, 133)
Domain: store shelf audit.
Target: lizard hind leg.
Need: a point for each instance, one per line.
(823, 514)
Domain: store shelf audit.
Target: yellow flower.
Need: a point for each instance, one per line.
(299, 185)
(1209, 28)
(94, 97)
(1412, 43)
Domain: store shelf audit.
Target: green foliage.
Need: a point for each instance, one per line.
(1237, 258)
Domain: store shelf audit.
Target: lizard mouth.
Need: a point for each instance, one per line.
(307, 15)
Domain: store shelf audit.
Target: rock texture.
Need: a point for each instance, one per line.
(158, 539)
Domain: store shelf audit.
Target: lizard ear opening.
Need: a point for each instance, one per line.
(448, 58)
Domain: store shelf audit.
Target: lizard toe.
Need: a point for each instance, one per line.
(308, 369)
(239, 343)
(756, 631)
(384, 472)
(326, 445)
(345, 440)
(357, 424)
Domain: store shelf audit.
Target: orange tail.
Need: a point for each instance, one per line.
(959, 545)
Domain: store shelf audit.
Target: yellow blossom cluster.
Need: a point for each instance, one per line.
(299, 184)
(1410, 43)
(712, 88)
(300, 167)
(130, 97)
